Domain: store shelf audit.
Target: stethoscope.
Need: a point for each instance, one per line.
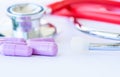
(105, 11)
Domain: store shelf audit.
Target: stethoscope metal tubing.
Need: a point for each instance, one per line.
(102, 34)
(105, 46)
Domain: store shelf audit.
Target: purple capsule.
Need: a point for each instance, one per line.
(15, 50)
(43, 48)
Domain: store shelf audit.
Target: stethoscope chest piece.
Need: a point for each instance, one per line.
(26, 20)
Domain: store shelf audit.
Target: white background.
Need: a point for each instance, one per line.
(68, 63)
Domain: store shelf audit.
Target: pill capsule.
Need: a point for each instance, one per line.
(15, 49)
(43, 48)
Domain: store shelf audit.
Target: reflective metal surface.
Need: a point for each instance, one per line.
(105, 46)
(102, 34)
(26, 20)
(98, 33)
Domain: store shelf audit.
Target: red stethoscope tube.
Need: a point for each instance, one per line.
(107, 10)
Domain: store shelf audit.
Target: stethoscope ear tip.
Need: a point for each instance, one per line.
(79, 44)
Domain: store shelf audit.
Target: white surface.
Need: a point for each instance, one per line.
(67, 63)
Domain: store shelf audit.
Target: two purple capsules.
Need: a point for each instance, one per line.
(20, 47)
